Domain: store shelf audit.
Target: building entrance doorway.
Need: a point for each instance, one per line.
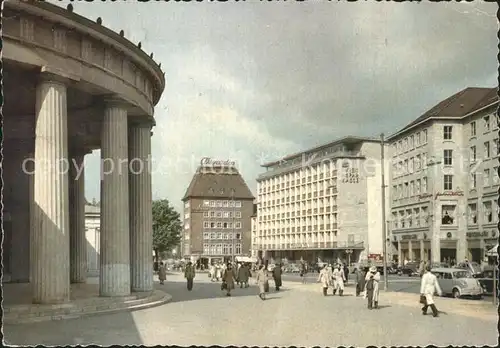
(476, 255)
(448, 255)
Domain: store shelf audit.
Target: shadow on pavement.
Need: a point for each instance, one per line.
(384, 306)
(104, 330)
(208, 290)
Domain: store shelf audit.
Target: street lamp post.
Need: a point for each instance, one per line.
(435, 238)
(349, 252)
(384, 232)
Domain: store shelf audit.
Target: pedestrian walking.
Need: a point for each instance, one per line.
(212, 272)
(303, 272)
(243, 275)
(325, 279)
(428, 287)
(218, 272)
(277, 271)
(261, 280)
(360, 280)
(228, 279)
(372, 289)
(338, 280)
(189, 274)
(162, 273)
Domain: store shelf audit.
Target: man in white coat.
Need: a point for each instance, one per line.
(325, 278)
(339, 278)
(428, 287)
(372, 279)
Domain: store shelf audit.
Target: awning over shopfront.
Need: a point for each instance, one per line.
(246, 259)
(493, 251)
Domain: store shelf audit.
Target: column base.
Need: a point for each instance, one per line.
(114, 280)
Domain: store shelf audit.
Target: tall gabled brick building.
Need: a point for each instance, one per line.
(218, 206)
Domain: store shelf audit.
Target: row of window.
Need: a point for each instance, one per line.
(486, 150)
(409, 166)
(418, 217)
(409, 143)
(222, 214)
(221, 249)
(419, 186)
(220, 224)
(487, 212)
(222, 204)
(420, 138)
(487, 180)
(329, 193)
(329, 228)
(299, 190)
(488, 124)
(310, 173)
(221, 235)
(409, 189)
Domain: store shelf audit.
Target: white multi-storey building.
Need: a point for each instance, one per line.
(323, 203)
(444, 179)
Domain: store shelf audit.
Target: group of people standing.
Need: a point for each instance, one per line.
(239, 274)
(332, 277)
(262, 279)
(367, 282)
(189, 274)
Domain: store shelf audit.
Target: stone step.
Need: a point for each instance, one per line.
(79, 309)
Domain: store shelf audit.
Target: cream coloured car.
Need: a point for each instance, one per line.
(458, 282)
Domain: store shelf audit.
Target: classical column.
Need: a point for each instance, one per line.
(410, 251)
(114, 275)
(19, 211)
(77, 237)
(141, 216)
(422, 250)
(400, 254)
(51, 210)
(30, 168)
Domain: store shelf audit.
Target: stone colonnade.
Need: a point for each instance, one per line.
(57, 203)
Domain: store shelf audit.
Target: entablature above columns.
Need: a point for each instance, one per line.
(97, 60)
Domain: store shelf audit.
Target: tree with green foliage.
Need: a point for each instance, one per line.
(167, 227)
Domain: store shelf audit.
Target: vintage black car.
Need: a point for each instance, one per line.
(410, 269)
(486, 280)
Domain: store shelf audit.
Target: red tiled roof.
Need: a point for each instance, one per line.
(460, 104)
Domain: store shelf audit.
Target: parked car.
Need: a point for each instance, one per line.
(471, 266)
(439, 265)
(292, 268)
(458, 282)
(486, 280)
(410, 269)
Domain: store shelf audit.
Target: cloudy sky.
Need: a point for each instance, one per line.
(253, 81)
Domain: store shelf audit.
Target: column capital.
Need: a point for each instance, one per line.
(114, 101)
(49, 74)
(143, 124)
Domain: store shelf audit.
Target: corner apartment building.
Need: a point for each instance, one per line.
(322, 203)
(444, 179)
(218, 206)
